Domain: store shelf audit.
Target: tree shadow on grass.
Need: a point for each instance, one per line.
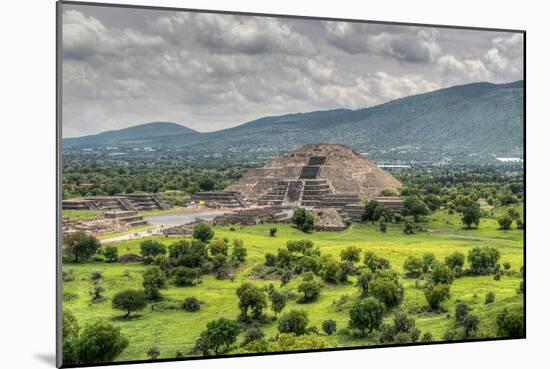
(121, 318)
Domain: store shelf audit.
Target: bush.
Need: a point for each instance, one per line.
(203, 232)
(111, 254)
(191, 304)
(363, 282)
(99, 342)
(483, 260)
(95, 292)
(80, 245)
(96, 275)
(129, 300)
(153, 352)
(329, 326)
(366, 315)
(374, 262)
(310, 289)
(386, 288)
(505, 222)
(219, 335)
(461, 312)
(153, 280)
(294, 322)
(251, 297)
(251, 335)
(184, 276)
(278, 301)
(427, 337)
(510, 324)
(272, 231)
(435, 294)
(442, 274)
(351, 254)
(413, 266)
(489, 298)
(149, 249)
(455, 260)
(303, 219)
(238, 252)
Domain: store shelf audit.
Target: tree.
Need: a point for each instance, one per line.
(310, 289)
(100, 342)
(148, 249)
(415, 207)
(483, 260)
(129, 300)
(374, 262)
(330, 268)
(363, 282)
(470, 325)
(286, 276)
(471, 214)
(442, 274)
(295, 321)
(455, 260)
(153, 280)
(251, 335)
(111, 253)
(303, 219)
(505, 222)
(510, 323)
(428, 261)
(185, 276)
(191, 304)
(70, 337)
(218, 247)
(413, 266)
(385, 287)
(278, 301)
(238, 252)
(95, 292)
(489, 297)
(272, 231)
(461, 312)
(153, 352)
(435, 294)
(80, 245)
(218, 336)
(370, 208)
(251, 297)
(203, 232)
(366, 314)
(351, 254)
(329, 326)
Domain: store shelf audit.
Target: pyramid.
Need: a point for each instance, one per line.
(315, 175)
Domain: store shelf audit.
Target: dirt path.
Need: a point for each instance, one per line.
(132, 236)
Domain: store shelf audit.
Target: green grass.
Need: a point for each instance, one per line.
(81, 214)
(177, 330)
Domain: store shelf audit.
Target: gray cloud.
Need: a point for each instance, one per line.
(211, 71)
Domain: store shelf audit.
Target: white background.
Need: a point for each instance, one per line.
(27, 123)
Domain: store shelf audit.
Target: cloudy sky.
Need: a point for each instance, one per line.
(123, 67)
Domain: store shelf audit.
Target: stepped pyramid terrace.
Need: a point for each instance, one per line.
(316, 176)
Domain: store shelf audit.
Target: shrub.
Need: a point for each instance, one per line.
(366, 315)
(191, 304)
(363, 282)
(461, 312)
(329, 326)
(251, 297)
(427, 337)
(251, 335)
(153, 280)
(153, 352)
(219, 335)
(303, 219)
(310, 289)
(435, 294)
(510, 323)
(238, 252)
(100, 342)
(218, 247)
(413, 266)
(489, 297)
(470, 325)
(96, 275)
(184, 276)
(111, 254)
(272, 231)
(505, 222)
(129, 300)
(386, 288)
(203, 232)
(442, 274)
(294, 322)
(270, 260)
(95, 292)
(278, 301)
(455, 260)
(351, 254)
(428, 261)
(483, 260)
(149, 249)
(374, 262)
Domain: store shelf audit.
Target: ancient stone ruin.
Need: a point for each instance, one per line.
(317, 176)
(139, 201)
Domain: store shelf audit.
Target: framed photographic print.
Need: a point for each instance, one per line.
(235, 184)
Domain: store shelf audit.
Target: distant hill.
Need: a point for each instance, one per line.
(140, 134)
(470, 122)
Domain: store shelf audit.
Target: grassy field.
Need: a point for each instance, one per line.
(81, 214)
(174, 330)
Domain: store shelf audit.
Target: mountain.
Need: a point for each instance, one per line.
(466, 123)
(140, 134)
